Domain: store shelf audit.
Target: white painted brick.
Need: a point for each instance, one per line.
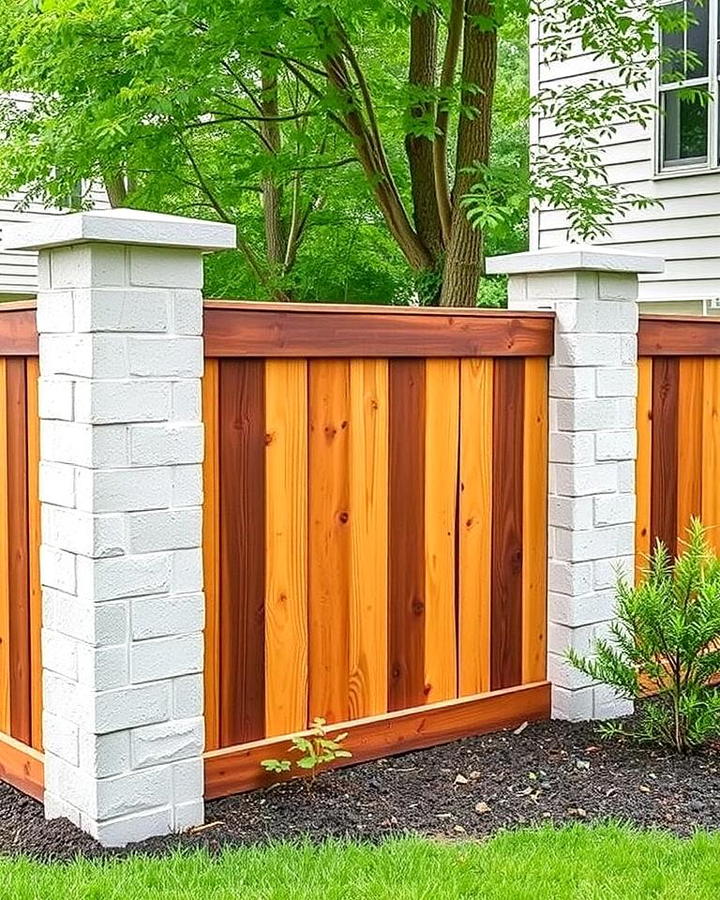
(59, 653)
(124, 490)
(572, 706)
(163, 445)
(57, 569)
(186, 400)
(123, 576)
(105, 754)
(562, 638)
(598, 543)
(60, 737)
(562, 673)
(606, 572)
(628, 350)
(133, 828)
(87, 265)
(188, 696)
(571, 512)
(69, 782)
(104, 402)
(615, 509)
(543, 286)
(159, 658)
(164, 530)
(188, 815)
(187, 312)
(180, 357)
(608, 704)
(57, 483)
(58, 808)
(617, 286)
(616, 382)
(121, 310)
(98, 624)
(133, 792)
(82, 532)
(131, 707)
(572, 447)
(55, 312)
(84, 445)
(188, 783)
(587, 415)
(164, 267)
(572, 382)
(626, 476)
(167, 615)
(581, 481)
(84, 355)
(589, 350)
(187, 486)
(517, 291)
(66, 697)
(583, 609)
(616, 445)
(187, 571)
(570, 578)
(55, 398)
(103, 668)
(168, 742)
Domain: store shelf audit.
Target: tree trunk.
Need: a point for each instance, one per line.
(115, 189)
(275, 242)
(419, 149)
(464, 262)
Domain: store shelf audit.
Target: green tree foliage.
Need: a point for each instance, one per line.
(665, 646)
(350, 141)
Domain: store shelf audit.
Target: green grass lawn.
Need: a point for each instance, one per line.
(604, 862)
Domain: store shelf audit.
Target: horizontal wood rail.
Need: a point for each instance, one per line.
(22, 767)
(679, 336)
(18, 332)
(236, 769)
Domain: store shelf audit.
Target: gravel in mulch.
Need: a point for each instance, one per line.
(549, 772)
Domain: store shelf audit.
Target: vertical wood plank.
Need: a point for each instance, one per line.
(5, 671)
(286, 637)
(475, 525)
(534, 529)
(507, 518)
(406, 540)
(33, 456)
(643, 475)
(369, 536)
(711, 450)
(663, 503)
(690, 443)
(329, 539)
(242, 551)
(442, 407)
(211, 553)
(18, 568)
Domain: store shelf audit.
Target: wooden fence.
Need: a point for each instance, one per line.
(678, 469)
(375, 527)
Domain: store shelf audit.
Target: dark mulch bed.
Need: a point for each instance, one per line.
(550, 772)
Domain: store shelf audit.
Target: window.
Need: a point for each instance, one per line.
(687, 133)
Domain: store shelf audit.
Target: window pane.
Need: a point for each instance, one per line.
(697, 39)
(686, 52)
(673, 44)
(685, 129)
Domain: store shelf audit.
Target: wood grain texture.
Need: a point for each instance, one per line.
(33, 468)
(211, 552)
(286, 628)
(475, 526)
(249, 329)
(368, 639)
(5, 671)
(22, 766)
(711, 450)
(534, 529)
(679, 336)
(238, 768)
(242, 550)
(18, 560)
(690, 442)
(18, 331)
(665, 400)
(442, 410)
(507, 525)
(643, 477)
(329, 539)
(406, 539)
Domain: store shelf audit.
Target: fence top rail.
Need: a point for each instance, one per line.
(669, 335)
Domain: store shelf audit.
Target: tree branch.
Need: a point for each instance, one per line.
(447, 77)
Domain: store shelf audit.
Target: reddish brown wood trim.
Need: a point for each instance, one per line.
(679, 336)
(238, 769)
(664, 489)
(307, 331)
(18, 331)
(406, 534)
(22, 767)
(507, 525)
(18, 559)
(241, 424)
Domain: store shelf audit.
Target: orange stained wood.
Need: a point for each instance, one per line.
(211, 554)
(475, 525)
(535, 470)
(368, 536)
(329, 539)
(22, 767)
(33, 451)
(4, 560)
(442, 407)
(711, 450)
(644, 462)
(690, 443)
(286, 485)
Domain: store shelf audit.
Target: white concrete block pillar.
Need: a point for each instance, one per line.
(593, 396)
(121, 357)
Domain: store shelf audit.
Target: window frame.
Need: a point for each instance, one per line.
(711, 80)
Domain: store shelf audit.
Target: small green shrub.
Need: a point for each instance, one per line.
(312, 751)
(664, 646)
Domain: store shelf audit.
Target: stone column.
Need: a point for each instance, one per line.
(593, 438)
(121, 356)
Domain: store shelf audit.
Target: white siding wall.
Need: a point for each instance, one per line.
(685, 230)
(18, 269)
